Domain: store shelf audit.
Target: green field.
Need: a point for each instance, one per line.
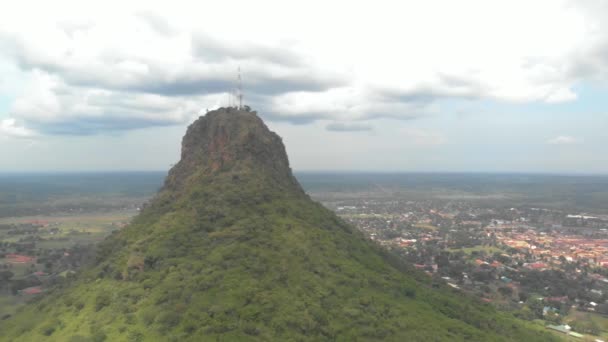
(425, 226)
(469, 250)
(72, 229)
(9, 304)
(367, 216)
(600, 320)
(76, 220)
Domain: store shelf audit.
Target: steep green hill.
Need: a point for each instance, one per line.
(232, 249)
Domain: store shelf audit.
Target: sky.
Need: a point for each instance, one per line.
(423, 86)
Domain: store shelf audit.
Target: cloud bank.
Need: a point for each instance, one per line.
(164, 65)
(10, 128)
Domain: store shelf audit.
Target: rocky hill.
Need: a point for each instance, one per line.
(232, 249)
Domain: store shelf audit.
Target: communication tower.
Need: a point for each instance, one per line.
(239, 90)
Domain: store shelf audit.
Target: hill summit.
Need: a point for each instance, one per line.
(232, 249)
(236, 143)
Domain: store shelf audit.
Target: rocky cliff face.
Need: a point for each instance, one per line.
(234, 142)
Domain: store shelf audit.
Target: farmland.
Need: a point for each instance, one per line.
(39, 251)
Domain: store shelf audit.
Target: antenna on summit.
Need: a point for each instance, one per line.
(235, 95)
(239, 93)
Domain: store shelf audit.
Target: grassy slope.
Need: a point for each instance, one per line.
(230, 261)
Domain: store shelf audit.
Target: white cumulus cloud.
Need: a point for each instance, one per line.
(563, 140)
(9, 127)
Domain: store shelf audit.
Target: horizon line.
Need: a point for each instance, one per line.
(326, 171)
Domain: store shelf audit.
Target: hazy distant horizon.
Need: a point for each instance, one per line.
(320, 172)
(511, 189)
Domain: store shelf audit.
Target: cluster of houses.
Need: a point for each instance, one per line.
(556, 248)
(19, 259)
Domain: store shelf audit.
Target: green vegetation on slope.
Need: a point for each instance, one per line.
(268, 267)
